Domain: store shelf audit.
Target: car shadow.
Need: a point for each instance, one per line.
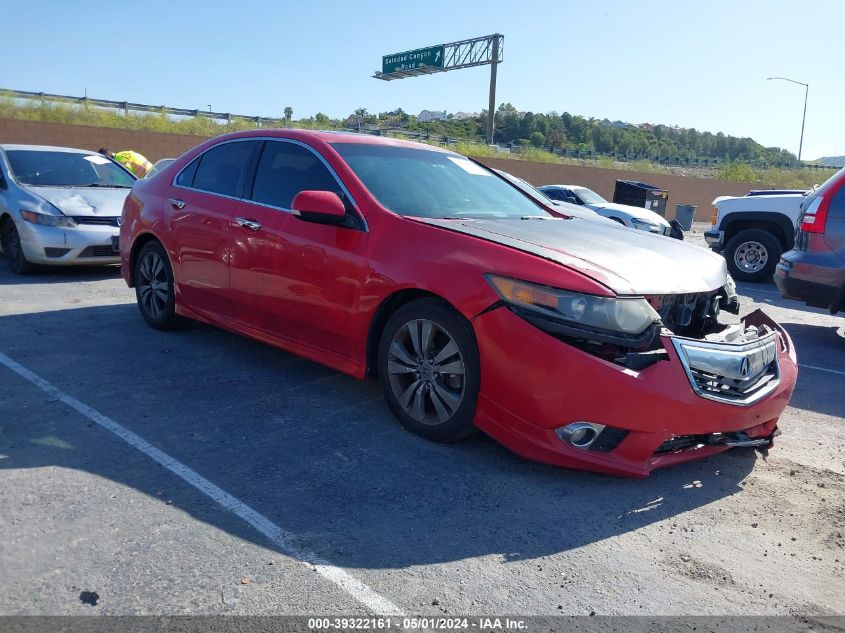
(316, 452)
(822, 348)
(57, 274)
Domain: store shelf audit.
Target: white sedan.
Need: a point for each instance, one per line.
(59, 206)
(634, 217)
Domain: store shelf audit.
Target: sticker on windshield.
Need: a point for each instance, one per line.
(469, 167)
(97, 160)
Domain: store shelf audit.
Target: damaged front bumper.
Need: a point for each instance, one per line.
(705, 395)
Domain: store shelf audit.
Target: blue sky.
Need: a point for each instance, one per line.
(692, 64)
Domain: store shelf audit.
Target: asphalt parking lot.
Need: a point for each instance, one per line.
(144, 472)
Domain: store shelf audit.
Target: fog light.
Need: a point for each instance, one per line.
(580, 434)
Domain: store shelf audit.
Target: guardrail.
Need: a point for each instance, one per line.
(128, 106)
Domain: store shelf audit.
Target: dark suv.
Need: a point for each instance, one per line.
(814, 271)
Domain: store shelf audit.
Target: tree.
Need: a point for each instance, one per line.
(288, 114)
(322, 120)
(537, 139)
(555, 137)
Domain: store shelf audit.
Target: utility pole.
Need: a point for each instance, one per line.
(491, 108)
(804, 117)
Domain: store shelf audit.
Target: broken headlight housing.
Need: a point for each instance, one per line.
(624, 320)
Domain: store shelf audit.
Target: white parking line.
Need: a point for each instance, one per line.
(284, 541)
(830, 371)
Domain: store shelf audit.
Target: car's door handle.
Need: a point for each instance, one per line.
(250, 224)
(177, 203)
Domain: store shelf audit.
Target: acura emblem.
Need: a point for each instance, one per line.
(745, 367)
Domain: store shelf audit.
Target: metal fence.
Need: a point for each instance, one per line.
(127, 106)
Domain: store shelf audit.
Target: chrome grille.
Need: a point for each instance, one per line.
(736, 373)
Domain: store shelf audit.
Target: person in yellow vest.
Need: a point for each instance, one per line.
(131, 160)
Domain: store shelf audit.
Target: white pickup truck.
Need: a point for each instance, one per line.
(752, 231)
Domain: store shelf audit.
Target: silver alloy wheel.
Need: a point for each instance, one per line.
(153, 286)
(751, 257)
(426, 371)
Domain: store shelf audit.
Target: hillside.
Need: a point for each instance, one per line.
(831, 161)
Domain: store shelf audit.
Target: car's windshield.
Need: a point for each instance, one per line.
(588, 196)
(66, 169)
(433, 184)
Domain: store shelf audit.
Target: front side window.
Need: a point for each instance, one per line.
(434, 184)
(220, 169)
(284, 170)
(48, 168)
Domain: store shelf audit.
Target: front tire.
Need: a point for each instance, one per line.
(752, 255)
(429, 370)
(154, 288)
(13, 249)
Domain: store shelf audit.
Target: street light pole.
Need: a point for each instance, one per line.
(803, 118)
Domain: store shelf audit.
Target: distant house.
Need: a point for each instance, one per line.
(619, 124)
(464, 116)
(648, 127)
(432, 115)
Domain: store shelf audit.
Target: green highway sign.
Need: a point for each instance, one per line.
(409, 60)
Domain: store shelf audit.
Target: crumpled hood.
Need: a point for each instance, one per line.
(628, 261)
(83, 200)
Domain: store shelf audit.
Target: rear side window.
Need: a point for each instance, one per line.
(221, 168)
(186, 176)
(284, 170)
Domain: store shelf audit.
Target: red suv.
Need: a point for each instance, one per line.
(814, 271)
(476, 305)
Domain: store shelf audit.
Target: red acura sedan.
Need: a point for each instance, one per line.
(477, 306)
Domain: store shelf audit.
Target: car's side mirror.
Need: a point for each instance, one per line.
(322, 207)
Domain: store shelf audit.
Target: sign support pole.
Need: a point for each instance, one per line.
(491, 109)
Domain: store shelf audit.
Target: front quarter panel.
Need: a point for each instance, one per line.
(408, 254)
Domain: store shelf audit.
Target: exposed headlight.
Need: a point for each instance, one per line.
(646, 225)
(48, 220)
(730, 301)
(619, 315)
(730, 287)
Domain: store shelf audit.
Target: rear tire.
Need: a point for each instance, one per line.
(155, 288)
(429, 370)
(752, 255)
(13, 250)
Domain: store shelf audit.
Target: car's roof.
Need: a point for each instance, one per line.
(43, 148)
(335, 136)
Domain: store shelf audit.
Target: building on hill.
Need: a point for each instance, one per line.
(464, 116)
(432, 115)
